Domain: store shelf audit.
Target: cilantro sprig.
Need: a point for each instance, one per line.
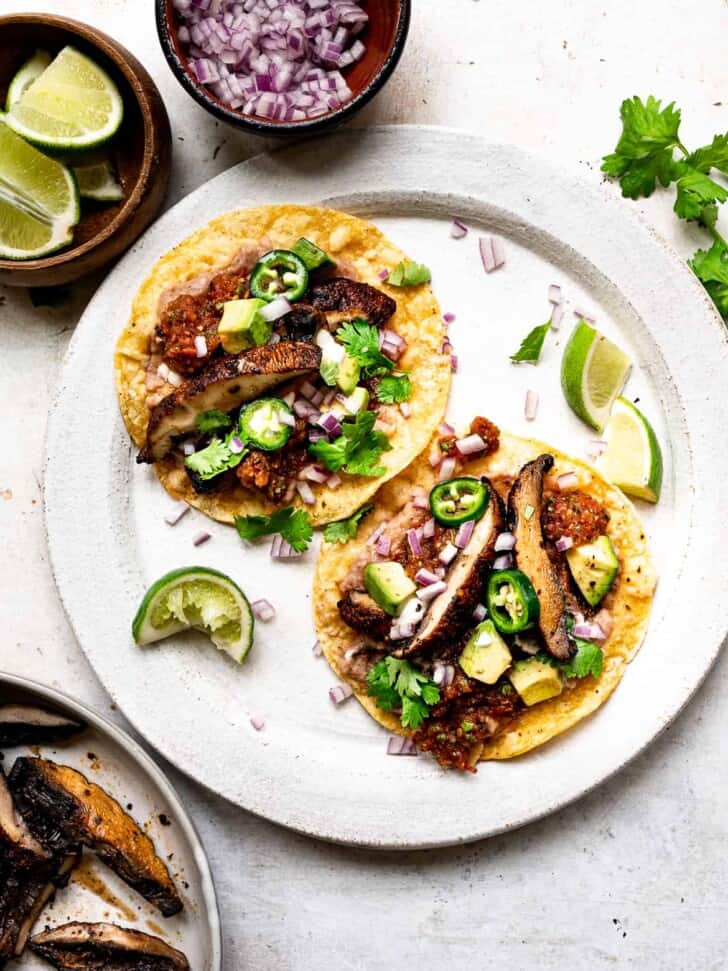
(398, 686)
(645, 155)
(588, 658)
(361, 340)
(213, 420)
(345, 529)
(532, 345)
(409, 274)
(357, 450)
(294, 525)
(394, 388)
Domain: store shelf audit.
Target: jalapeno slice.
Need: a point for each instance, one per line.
(265, 424)
(280, 273)
(455, 501)
(512, 602)
(311, 254)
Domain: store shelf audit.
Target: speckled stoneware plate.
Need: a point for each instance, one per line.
(319, 769)
(109, 757)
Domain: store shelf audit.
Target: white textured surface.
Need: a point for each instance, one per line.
(633, 876)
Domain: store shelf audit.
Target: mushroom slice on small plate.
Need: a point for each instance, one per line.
(93, 947)
(31, 725)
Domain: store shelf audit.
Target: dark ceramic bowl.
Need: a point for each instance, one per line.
(385, 36)
(141, 151)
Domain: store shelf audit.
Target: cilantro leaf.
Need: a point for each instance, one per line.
(713, 156)
(696, 192)
(409, 274)
(589, 659)
(711, 268)
(211, 421)
(361, 340)
(643, 155)
(214, 459)
(357, 449)
(345, 529)
(532, 344)
(396, 685)
(294, 525)
(394, 388)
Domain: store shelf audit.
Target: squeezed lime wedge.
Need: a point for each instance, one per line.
(97, 181)
(633, 458)
(32, 69)
(593, 373)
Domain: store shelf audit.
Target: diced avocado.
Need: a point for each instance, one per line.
(332, 354)
(486, 655)
(357, 401)
(241, 326)
(594, 567)
(348, 374)
(535, 680)
(388, 585)
(311, 254)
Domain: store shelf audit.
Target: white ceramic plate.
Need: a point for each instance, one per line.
(322, 770)
(109, 757)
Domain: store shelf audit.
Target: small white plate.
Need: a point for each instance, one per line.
(108, 756)
(316, 768)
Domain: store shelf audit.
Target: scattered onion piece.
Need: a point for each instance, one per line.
(432, 590)
(504, 543)
(589, 630)
(447, 468)
(443, 674)
(504, 562)
(555, 294)
(382, 546)
(405, 409)
(317, 650)
(557, 315)
(470, 445)
(201, 538)
(263, 610)
(479, 613)
(413, 541)
(383, 275)
(449, 318)
(179, 510)
(339, 693)
(200, 346)
(564, 543)
(583, 315)
(567, 480)
(258, 722)
(530, 409)
(447, 554)
(306, 493)
(464, 533)
(275, 309)
(397, 745)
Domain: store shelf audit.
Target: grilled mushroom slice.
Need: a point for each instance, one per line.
(452, 612)
(62, 809)
(106, 947)
(300, 323)
(343, 299)
(226, 383)
(525, 502)
(31, 725)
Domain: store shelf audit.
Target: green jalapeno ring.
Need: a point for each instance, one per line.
(456, 501)
(261, 426)
(512, 602)
(279, 273)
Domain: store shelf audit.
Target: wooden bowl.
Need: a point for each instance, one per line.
(384, 36)
(141, 151)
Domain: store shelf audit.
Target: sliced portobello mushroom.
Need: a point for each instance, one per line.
(451, 613)
(342, 299)
(62, 809)
(300, 323)
(525, 502)
(31, 725)
(106, 947)
(225, 384)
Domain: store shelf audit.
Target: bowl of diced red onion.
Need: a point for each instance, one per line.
(280, 67)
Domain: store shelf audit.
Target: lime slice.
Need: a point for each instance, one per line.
(632, 459)
(97, 181)
(26, 75)
(38, 200)
(198, 598)
(593, 372)
(73, 104)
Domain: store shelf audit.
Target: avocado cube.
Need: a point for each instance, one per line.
(486, 655)
(535, 680)
(241, 325)
(388, 585)
(594, 567)
(348, 374)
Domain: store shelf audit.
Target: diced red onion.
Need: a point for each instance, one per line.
(583, 315)
(504, 543)
(397, 745)
(289, 398)
(317, 650)
(200, 346)
(567, 480)
(383, 545)
(458, 229)
(275, 309)
(330, 424)
(306, 493)
(447, 468)
(479, 613)
(179, 510)
(317, 398)
(492, 254)
(555, 294)
(564, 543)
(333, 482)
(428, 529)
(285, 419)
(436, 456)
(597, 447)
(188, 448)
(400, 632)
(504, 562)
(605, 620)
(258, 722)
(589, 630)
(314, 473)
(470, 445)
(557, 315)
(304, 409)
(376, 533)
(499, 253)
(413, 541)
(428, 593)
(280, 549)
(308, 390)
(443, 674)
(405, 409)
(383, 275)
(201, 538)
(173, 378)
(339, 693)
(236, 445)
(420, 501)
(454, 363)
(446, 429)
(411, 614)
(531, 406)
(263, 610)
(425, 577)
(462, 537)
(447, 554)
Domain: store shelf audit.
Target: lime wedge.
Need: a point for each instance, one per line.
(38, 200)
(197, 598)
(32, 69)
(73, 104)
(593, 372)
(97, 181)
(632, 459)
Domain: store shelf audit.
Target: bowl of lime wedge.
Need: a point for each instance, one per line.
(85, 149)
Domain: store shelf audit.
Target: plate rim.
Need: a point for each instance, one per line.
(55, 696)
(593, 192)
